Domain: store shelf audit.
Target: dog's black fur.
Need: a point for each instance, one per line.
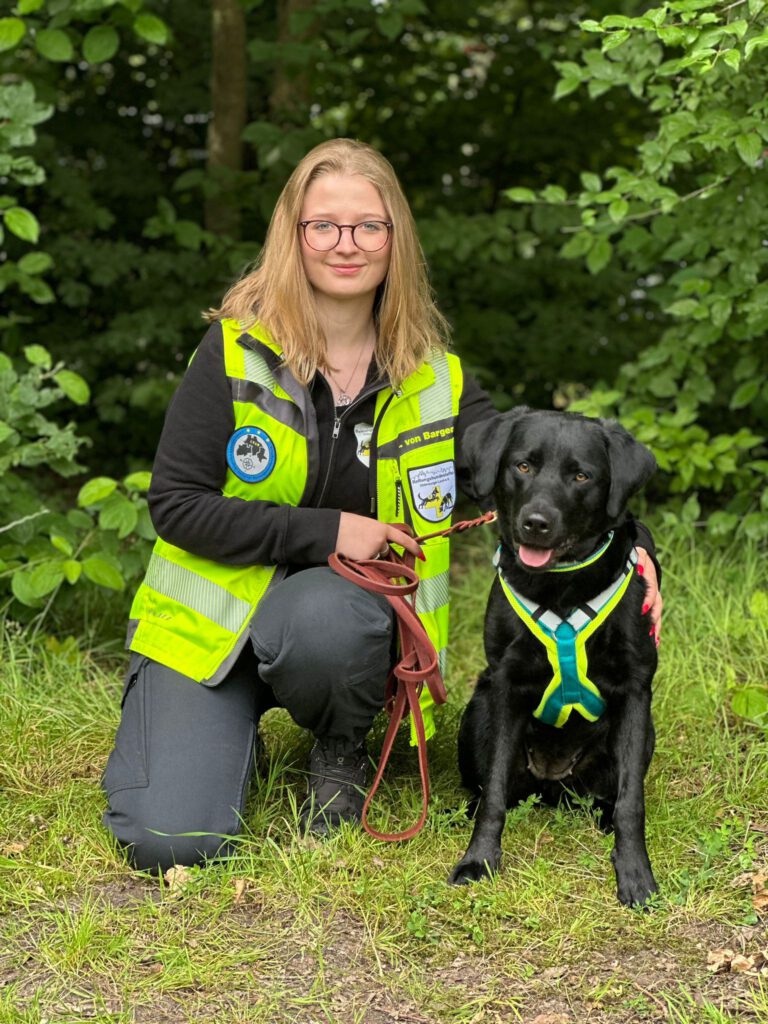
(529, 463)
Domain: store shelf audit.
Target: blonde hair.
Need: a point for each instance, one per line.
(278, 295)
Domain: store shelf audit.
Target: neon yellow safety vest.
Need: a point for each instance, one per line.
(192, 614)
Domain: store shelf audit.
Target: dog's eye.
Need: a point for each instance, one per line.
(581, 477)
(523, 467)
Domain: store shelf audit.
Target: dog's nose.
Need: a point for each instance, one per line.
(536, 525)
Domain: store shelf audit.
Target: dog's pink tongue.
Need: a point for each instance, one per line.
(534, 557)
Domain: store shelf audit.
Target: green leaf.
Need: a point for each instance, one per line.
(138, 481)
(618, 210)
(732, 58)
(53, 44)
(29, 6)
(755, 43)
(46, 577)
(520, 195)
(101, 43)
(96, 490)
(61, 544)
(118, 513)
(22, 589)
(22, 223)
(683, 307)
(99, 570)
(554, 194)
(614, 40)
(591, 182)
(578, 245)
(11, 32)
(599, 255)
(73, 386)
(744, 394)
(37, 356)
(72, 570)
(566, 86)
(151, 28)
(751, 703)
(749, 147)
(5, 431)
(390, 23)
(35, 263)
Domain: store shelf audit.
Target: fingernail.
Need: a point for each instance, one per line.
(658, 640)
(645, 609)
(652, 631)
(641, 569)
(422, 556)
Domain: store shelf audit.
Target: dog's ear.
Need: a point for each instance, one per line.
(632, 465)
(482, 447)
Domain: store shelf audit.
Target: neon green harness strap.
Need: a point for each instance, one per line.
(565, 641)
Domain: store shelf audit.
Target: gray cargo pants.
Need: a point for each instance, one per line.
(184, 753)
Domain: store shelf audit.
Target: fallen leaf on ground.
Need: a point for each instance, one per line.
(240, 886)
(740, 963)
(760, 893)
(551, 1018)
(719, 960)
(177, 877)
(10, 848)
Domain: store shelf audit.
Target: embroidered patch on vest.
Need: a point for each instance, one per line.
(251, 454)
(433, 490)
(363, 433)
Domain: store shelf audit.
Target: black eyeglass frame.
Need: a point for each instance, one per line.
(339, 227)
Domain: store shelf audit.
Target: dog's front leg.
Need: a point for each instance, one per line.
(630, 739)
(484, 853)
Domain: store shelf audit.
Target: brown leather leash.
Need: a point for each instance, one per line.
(394, 576)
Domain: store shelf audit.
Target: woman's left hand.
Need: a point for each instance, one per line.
(653, 601)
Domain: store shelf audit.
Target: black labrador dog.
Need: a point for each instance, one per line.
(565, 702)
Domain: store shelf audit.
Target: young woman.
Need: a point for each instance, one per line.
(320, 407)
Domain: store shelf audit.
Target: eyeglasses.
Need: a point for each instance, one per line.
(324, 235)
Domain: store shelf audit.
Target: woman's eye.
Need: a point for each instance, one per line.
(581, 477)
(322, 225)
(523, 467)
(371, 227)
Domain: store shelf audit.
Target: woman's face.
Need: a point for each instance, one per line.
(346, 271)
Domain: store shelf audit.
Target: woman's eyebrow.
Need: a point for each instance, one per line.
(363, 216)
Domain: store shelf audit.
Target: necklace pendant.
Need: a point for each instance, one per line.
(343, 398)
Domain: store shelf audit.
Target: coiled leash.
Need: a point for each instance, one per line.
(394, 577)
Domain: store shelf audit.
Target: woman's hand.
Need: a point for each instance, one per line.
(361, 537)
(653, 601)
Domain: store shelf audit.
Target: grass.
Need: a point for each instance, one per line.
(351, 930)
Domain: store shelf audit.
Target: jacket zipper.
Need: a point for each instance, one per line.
(334, 437)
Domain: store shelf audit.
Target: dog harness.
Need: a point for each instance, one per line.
(566, 643)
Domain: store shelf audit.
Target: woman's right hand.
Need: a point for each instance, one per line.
(360, 537)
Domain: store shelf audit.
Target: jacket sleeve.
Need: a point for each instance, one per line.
(185, 499)
(474, 406)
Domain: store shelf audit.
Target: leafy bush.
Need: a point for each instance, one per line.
(689, 218)
(43, 544)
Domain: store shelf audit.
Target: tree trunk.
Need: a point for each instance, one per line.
(229, 106)
(290, 96)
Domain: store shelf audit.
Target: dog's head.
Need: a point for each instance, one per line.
(559, 480)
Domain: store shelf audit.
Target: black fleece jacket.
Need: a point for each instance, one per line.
(185, 499)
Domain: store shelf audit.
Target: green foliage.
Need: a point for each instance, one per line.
(43, 544)
(688, 217)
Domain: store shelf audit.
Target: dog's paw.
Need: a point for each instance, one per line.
(471, 869)
(636, 887)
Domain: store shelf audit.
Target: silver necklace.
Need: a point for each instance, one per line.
(343, 397)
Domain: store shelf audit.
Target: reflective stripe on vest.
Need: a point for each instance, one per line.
(192, 614)
(565, 641)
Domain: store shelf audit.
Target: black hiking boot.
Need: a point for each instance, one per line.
(335, 787)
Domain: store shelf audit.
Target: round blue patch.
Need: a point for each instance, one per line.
(251, 454)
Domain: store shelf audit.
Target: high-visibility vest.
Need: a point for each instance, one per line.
(565, 640)
(192, 614)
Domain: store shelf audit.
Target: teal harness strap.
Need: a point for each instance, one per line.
(565, 641)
